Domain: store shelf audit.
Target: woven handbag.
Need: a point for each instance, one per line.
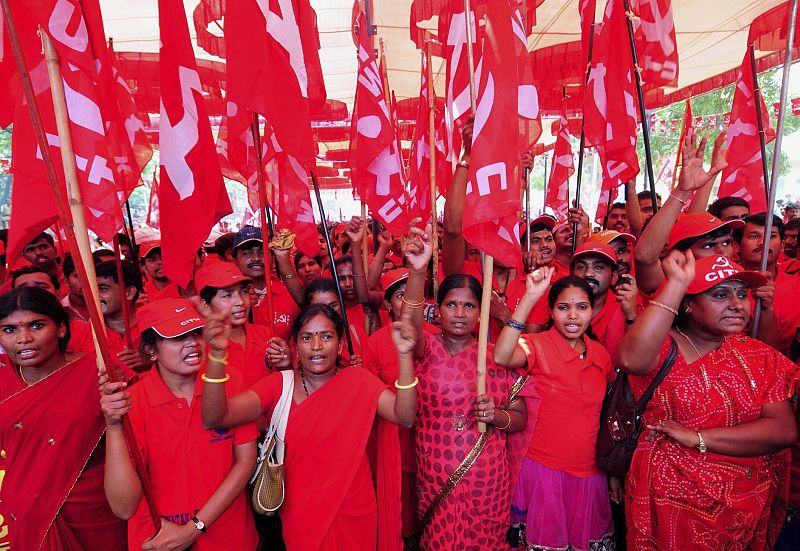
(268, 477)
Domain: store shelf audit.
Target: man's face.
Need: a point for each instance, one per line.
(707, 246)
(542, 245)
(41, 254)
(563, 237)
(623, 250)
(752, 245)
(789, 214)
(790, 243)
(734, 212)
(646, 208)
(108, 292)
(36, 279)
(250, 259)
(345, 273)
(597, 272)
(618, 220)
(74, 283)
(152, 265)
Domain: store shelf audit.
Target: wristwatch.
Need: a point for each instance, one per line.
(199, 524)
(702, 445)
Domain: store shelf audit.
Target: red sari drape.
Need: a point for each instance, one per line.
(678, 498)
(52, 496)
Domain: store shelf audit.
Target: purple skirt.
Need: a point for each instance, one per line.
(560, 510)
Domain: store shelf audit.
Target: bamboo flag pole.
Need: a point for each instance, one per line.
(123, 291)
(262, 211)
(776, 154)
(79, 249)
(432, 161)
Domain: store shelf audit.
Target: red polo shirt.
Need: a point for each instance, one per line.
(170, 290)
(284, 310)
(187, 463)
(608, 325)
(251, 361)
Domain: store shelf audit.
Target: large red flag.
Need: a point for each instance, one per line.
(586, 10)
(561, 169)
(609, 104)
(493, 194)
(273, 68)
(530, 120)
(656, 42)
(375, 163)
(236, 150)
(192, 193)
(744, 175)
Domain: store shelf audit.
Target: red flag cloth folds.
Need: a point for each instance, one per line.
(273, 68)
(191, 192)
(153, 215)
(561, 169)
(609, 102)
(656, 42)
(530, 120)
(586, 10)
(237, 153)
(491, 208)
(375, 163)
(744, 175)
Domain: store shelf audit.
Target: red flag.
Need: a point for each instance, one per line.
(272, 49)
(530, 120)
(609, 102)
(744, 175)
(608, 193)
(492, 201)
(586, 9)
(375, 164)
(656, 42)
(457, 95)
(236, 150)
(153, 216)
(191, 193)
(561, 169)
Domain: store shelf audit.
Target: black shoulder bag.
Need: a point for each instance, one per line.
(621, 419)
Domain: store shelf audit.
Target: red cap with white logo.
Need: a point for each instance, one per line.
(169, 317)
(713, 270)
(595, 248)
(697, 224)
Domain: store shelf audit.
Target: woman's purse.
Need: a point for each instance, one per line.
(268, 477)
(621, 419)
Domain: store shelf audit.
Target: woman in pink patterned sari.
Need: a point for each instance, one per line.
(470, 512)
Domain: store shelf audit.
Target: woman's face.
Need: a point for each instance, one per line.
(308, 269)
(318, 345)
(327, 298)
(234, 299)
(181, 355)
(722, 310)
(31, 340)
(459, 312)
(395, 304)
(572, 313)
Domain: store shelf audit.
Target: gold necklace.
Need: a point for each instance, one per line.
(702, 368)
(449, 351)
(303, 380)
(19, 367)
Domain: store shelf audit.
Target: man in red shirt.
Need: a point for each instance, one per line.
(74, 302)
(33, 276)
(41, 252)
(618, 218)
(158, 285)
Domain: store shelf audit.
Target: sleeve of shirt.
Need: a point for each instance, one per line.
(248, 432)
(268, 389)
(528, 344)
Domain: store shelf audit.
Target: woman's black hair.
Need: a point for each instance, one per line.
(38, 301)
(207, 293)
(316, 258)
(320, 285)
(387, 294)
(567, 282)
(148, 342)
(312, 311)
(459, 281)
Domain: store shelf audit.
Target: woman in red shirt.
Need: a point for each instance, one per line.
(561, 497)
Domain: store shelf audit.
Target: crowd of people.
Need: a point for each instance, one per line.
(389, 444)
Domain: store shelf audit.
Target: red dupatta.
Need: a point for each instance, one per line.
(48, 432)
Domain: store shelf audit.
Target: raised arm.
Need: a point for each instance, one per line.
(376, 268)
(400, 407)
(287, 273)
(635, 222)
(453, 243)
(417, 249)
(638, 350)
(355, 232)
(701, 196)
(507, 351)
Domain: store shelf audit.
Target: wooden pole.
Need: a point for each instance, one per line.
(262, 211)
(432, 161)
(123, 293)
(83, 264)
(760, 117)
(776, 154)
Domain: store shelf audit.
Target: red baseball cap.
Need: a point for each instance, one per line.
(218, 275)
(712, 270)
(596, 248)
(697, 224)
(545, 220)
(393, 276)
(148, 247)
(169, 317)
(607, 236)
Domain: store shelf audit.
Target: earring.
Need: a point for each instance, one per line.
(152, 357)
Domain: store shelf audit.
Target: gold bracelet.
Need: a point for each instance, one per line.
(287, 277)
(509, 419)
(398, 386)
(663, 306)
(210, 380)
(413, 305)
(223, 360)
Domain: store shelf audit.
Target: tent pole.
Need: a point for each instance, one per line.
(776, 155)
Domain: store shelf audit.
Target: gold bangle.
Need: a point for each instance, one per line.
(223, 360)
(413, 305)
(509, 419)
(287, 277)
(210, 380)
(398, 386)
(663, 306)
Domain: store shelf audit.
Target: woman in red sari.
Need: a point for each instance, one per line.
(329, 497)
(471, 512)
(711, 472)
(51, 463)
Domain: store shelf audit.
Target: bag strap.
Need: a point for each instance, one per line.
(663, 371)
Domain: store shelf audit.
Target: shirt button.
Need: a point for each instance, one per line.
(180, 406)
